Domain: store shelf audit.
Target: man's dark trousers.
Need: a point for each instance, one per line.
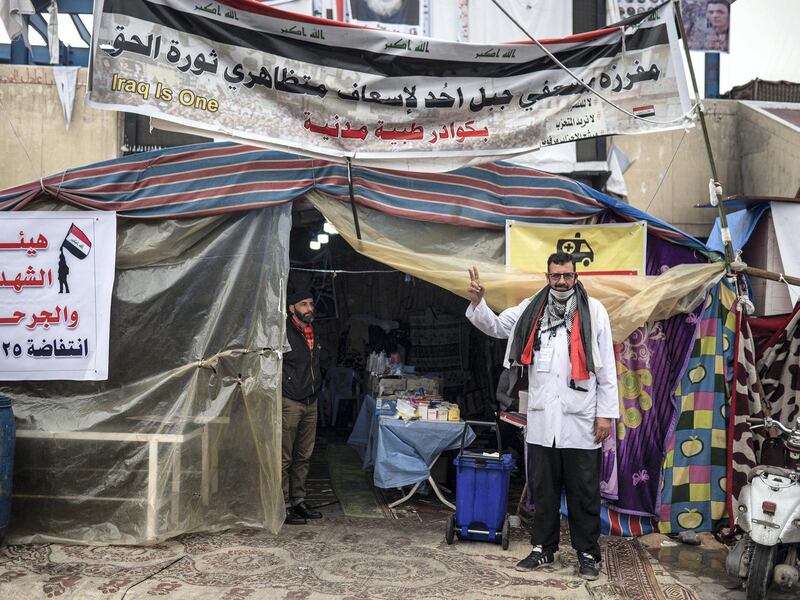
(576, 471)
(299, 428)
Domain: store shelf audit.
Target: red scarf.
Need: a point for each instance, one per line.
(306, 330)
(577, 358)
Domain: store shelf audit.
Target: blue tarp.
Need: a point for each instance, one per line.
(741, 224)
(402, 452)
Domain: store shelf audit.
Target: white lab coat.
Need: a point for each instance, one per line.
(558, 414)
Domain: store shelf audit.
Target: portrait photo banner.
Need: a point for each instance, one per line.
(398, 16)
(610, 249)
(242, 71)
(56, 279)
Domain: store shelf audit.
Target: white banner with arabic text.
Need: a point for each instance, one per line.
(236, 69)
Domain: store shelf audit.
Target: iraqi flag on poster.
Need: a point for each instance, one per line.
(77, 242)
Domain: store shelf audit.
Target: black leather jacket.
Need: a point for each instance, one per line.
(301, 374)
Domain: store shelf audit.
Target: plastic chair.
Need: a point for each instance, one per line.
(341, 383)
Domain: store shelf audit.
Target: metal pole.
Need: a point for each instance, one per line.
(712, 75)
(353, 198)
(19, 52)
(723, 221)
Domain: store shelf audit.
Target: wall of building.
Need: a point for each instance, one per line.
(756, 155)
(31, 119)
(770, 156)
(686, 182)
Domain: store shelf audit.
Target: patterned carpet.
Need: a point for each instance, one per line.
(337, 558)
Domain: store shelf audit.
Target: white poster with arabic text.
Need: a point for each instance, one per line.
(56, 278)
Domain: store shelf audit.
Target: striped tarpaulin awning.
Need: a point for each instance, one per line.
(210, 179)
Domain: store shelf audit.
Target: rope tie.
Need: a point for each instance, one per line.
(749, 307)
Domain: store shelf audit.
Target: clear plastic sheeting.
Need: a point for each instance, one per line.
(185, 434)
(441, 254)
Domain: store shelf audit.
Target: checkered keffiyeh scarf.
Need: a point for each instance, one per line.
(546, 313)
(558, 312)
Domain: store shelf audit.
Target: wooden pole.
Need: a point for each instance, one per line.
(763, 274)
(353, 199)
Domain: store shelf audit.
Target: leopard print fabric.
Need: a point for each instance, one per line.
(746, 402)
(779, 369)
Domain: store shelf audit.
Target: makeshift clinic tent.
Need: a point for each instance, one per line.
(197, 330)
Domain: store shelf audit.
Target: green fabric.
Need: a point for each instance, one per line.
(351, 484)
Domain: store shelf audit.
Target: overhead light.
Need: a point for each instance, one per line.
(314, 245)
(323, 238)
(329, 228)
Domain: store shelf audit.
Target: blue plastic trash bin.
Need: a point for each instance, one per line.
(7, 439)
(481, 496)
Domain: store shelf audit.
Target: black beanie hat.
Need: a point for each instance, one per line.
(299, 296)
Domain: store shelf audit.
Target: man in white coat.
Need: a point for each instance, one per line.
(563, 338)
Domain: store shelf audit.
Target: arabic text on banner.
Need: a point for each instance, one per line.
(251, 73)
(55, 294)
(611, 249)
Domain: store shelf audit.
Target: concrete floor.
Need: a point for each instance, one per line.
(702, 568)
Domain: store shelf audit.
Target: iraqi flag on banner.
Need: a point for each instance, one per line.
(77, 242)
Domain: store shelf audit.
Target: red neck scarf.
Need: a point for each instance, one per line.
(306, 330)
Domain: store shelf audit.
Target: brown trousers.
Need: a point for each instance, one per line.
(299, 431)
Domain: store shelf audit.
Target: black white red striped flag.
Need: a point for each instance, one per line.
(77, 242)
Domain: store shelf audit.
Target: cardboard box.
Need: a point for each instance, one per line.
(406, 408)
(453, 413)
(438, 413)
(390, 385)
(385, 406)
(431, 386)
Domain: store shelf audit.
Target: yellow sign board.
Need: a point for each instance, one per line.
(609, 249)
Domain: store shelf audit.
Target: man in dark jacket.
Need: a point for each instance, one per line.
(301, 383)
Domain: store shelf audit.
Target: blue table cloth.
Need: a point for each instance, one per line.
(401, 452)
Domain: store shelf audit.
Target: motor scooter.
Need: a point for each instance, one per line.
(768, 512)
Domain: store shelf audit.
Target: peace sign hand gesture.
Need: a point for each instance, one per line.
(476, 290)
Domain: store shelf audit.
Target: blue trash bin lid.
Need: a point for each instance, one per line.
(5, 401)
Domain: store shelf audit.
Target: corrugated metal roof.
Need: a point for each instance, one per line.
(766, 91)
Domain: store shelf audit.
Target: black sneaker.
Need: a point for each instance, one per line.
(535, 559)
(305, 511)
(293, 517)
(588, 566)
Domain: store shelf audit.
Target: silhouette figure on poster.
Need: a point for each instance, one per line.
(77, 243)
(63, 271)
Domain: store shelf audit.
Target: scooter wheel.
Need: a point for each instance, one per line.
(451, 530)
(759, 575)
